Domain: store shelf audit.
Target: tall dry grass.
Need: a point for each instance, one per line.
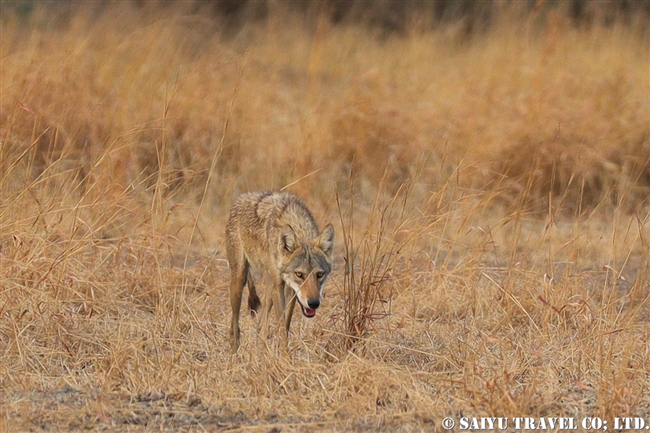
(490, 198)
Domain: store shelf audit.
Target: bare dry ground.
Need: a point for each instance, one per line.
(489, 194)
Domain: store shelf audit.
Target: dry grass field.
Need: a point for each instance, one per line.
(489, 192)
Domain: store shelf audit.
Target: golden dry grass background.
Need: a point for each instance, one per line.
(489, 193)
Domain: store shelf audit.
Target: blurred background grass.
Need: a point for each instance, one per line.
(546, 97)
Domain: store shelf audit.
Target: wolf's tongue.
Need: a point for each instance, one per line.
(308, 312)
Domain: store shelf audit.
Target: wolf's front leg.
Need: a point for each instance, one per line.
(288, 312)
(239, 270)
(264, 321)
(280, 302)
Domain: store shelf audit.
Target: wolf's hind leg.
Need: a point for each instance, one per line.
(254, 302)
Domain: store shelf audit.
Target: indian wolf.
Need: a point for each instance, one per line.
(275, 233)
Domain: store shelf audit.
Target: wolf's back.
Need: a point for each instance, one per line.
(269, 211)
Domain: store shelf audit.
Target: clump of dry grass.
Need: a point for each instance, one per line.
(492, 246)
(371, 260)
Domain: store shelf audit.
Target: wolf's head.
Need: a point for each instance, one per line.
(306, 266)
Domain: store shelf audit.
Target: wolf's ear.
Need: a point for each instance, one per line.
(325, 240)
(287, 239)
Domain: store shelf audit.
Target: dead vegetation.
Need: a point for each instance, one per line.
(491, 200)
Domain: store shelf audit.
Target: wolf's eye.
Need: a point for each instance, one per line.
(320, 274)
(299, 275)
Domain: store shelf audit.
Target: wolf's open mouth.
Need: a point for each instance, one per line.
(308, 312)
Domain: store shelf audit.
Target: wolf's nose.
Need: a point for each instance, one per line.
(313, 303)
